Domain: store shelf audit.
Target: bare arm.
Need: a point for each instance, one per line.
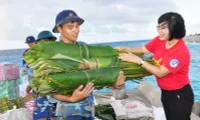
(62, 98)
(159, 71)
(141, 49)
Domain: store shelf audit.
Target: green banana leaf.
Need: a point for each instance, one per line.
(46, 50)
(65, 83)
(49, 66)
(60, 68)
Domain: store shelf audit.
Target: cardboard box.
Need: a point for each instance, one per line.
(9, 71)
(9, 88)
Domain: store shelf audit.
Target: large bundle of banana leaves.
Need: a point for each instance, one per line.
(60, 68)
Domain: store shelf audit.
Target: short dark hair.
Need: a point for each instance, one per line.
(175, 23)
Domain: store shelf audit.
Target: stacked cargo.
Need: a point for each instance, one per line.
(9, 87)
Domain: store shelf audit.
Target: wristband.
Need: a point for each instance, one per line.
(142, 62)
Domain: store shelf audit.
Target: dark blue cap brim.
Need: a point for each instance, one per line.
(67, 20)
(30, 42)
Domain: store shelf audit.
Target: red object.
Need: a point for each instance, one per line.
(176, 59)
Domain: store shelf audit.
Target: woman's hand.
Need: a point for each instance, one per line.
(130, 58)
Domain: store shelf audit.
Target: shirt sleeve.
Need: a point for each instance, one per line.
(150, 46)
(30, 72)
(52, 100)
(176, 61)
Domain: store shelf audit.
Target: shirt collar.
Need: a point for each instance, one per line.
(75, 42)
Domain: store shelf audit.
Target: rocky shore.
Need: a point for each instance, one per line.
(193, 38)
(147, 94)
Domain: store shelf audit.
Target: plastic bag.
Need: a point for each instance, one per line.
(16, 114)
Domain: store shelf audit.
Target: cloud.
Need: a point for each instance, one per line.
(110, 20)
(41, 29)
(5, 23)
(100, 13)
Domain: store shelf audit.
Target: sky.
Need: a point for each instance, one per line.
(105, 20)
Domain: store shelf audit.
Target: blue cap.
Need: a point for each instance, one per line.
(45, 34)
(30, 39)
(66, 16)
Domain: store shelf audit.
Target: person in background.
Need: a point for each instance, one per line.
(45, 36)
(78, 106)
(30, 40)
(173, 56)
(42, 108)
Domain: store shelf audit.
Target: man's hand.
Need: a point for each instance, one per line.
(81, 93)
(120, 80)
